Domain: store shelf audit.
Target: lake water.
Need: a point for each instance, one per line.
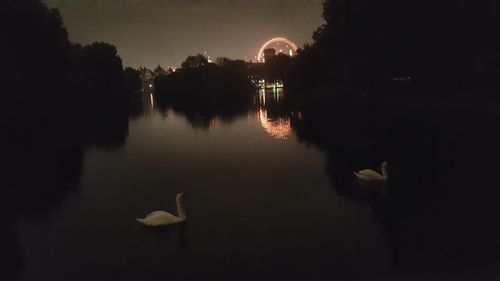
(260, 205)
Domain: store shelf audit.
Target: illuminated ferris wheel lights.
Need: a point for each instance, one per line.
(277, 41)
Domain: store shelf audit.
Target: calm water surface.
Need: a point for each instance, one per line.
(259, 205)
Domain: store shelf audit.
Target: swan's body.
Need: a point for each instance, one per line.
(371, 176)
(160, 218)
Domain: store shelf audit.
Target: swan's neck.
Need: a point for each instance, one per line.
(180, 208)
(384, 171)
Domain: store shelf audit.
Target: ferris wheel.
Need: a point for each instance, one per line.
(280, 45)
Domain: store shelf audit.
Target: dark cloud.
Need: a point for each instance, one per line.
(149, 32)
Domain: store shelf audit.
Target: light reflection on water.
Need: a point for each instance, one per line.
(261, 204)
(277, 128)
(258, 208)
(277, 122)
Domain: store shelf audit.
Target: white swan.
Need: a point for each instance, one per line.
(370, 176)
(160, 218)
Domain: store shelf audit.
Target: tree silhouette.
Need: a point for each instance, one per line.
(194, 61)
(159, 71)
(100, 67)
(278, 67)
(34, 36)
(53, 88)
(133, 80)
(204, 91)
(450, 46)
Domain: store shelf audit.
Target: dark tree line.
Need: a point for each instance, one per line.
(53, 87)
(441, 45)
(203, 90)
(56, 98)
(276, 68)
(438, 152)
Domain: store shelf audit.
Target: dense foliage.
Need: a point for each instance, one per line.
(373, 45)
(203, 90)
(52, 87)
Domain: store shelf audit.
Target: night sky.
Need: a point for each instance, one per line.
(148, 32)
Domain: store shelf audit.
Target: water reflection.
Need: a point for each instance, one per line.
(438, 207)
(277, 128)
(34, 181)
(273, 114)
(269, 107)
(205, 108)
(436, 215)
(40, 165)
